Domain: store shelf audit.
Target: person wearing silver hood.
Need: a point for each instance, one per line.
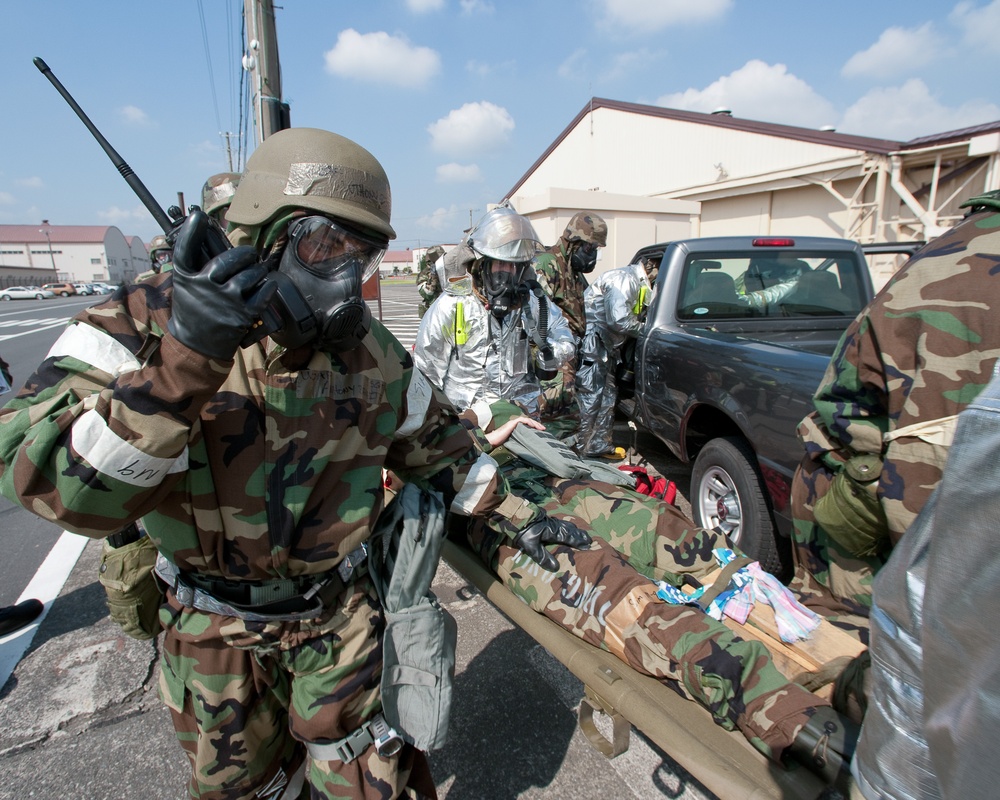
(615, 305)
(493, 333)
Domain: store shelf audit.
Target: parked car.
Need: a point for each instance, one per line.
(84, 288)
(61, 289)
(102, 288)
(25, 293)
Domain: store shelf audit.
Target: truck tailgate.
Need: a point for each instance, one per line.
(723, 762)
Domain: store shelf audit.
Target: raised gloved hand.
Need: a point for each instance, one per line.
(549, 530)
(217, 296)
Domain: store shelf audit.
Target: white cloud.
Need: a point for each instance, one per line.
(476, 6)
(443, 218)
(6, 199)
(474, 128)
(575, 64)
(898, 51)
(115, 215)
(908, 111)
(134, 115)
(647, 16)
(625, 64)
(381, 58)
(424, 6)
(766, 92)
(34, 182)
(458, 173)
(484, 70)
(980, 26)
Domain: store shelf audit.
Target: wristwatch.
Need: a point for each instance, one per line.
(387, 742)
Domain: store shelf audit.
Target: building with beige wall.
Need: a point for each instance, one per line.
(657, 173)
(74, 253)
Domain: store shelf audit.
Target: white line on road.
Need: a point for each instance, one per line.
(45, 586)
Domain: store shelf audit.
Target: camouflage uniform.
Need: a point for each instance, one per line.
(566, 286)
(606, 596)
(254, 471)
(428, 282)
(916, 356)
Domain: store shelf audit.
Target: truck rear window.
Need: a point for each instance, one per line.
(797, 284)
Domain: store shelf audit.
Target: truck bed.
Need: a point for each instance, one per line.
(724, 762)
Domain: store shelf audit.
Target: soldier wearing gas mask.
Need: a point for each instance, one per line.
(562, 271)
(493, 331)
(256, 466)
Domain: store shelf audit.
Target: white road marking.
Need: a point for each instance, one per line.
(45, 586)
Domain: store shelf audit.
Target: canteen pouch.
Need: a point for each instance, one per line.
(133, 593)
(418, 672)
(418, 667)
(850, 511)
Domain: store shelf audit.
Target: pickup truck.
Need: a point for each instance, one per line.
(736, 340)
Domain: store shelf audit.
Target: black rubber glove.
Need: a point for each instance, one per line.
(549, 530)
(216, 297)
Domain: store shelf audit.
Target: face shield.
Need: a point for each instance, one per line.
(501, 280)
(328, 263)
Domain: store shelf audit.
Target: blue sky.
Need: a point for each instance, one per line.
(456, 98)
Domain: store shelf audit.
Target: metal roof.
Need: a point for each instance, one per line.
(824, 137)
(58, 234)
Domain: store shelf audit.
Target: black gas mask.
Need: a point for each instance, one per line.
(584, 257)
(320, 275)
(501, 280)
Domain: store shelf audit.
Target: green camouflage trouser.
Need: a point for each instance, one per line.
(609, 602)
(245, 698)
(828, 579)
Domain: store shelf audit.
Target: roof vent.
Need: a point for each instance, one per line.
(828, 129)
(722, 112)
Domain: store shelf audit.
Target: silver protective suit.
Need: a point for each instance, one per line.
(610, 304)
(485, 358)
(933, 715)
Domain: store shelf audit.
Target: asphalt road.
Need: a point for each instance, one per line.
(79, 715)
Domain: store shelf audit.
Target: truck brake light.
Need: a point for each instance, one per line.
(773, 242)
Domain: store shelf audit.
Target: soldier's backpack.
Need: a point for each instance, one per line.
(418, 668)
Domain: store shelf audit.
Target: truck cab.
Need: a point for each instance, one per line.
(736, 340)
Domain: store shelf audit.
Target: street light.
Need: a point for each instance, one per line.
(51, 255)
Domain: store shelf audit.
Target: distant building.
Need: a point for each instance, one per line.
(396, 262)
(657, 174)
(74, 253)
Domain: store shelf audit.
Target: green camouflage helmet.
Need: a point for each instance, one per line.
(308, 168)
(159, 244)
(434, 253)
(586, 226)
(218, 191)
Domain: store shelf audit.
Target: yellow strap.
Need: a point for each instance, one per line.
(640, 301)
(461, 332)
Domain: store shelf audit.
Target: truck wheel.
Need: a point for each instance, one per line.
(728, 493)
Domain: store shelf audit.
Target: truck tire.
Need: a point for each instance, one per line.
(727, 492)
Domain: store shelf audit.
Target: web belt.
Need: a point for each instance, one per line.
(278, 600)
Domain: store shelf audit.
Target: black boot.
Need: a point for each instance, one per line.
(825, 745)
(14, 617)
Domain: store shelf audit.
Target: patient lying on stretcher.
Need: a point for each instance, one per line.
(621, 595)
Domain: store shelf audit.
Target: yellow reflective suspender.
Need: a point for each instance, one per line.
(640, 301)
(461, 332)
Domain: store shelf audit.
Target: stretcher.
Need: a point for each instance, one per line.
(722, 761)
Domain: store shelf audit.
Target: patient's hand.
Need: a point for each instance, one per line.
(500, 435)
